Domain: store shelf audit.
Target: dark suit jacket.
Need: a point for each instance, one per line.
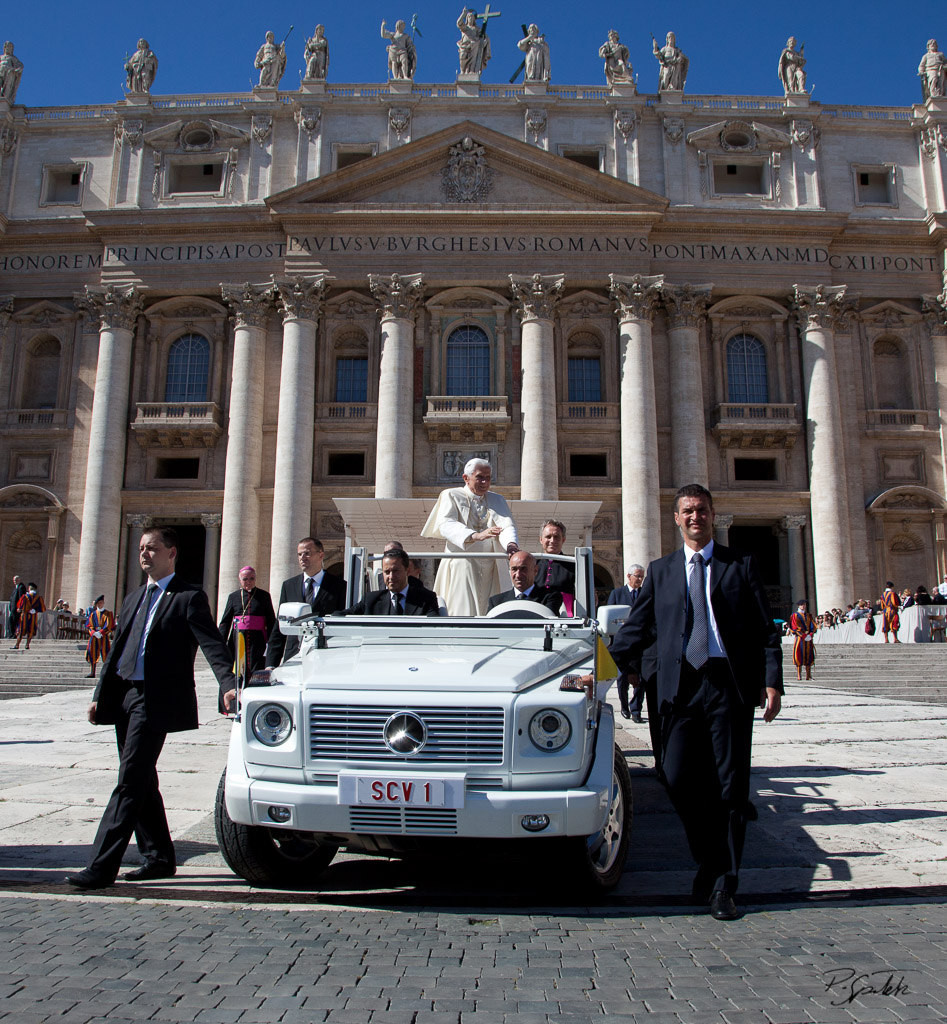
(552, 599)
(742, 613)
(562, 576)
(418, 601)
(622, 595)
(331, 598)
(182, 622)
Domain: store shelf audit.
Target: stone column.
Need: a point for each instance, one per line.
(211, 523)
(136, 527)
(398, 297)
(536, 297)
(300, 301)
(250, 304)
(117, 310)
(722, 523)
(636, 298)
(935, 313)
(685, 306)
(797, 566)
(818, 310)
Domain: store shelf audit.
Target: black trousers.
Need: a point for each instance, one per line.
(707, 738)
(135, 806)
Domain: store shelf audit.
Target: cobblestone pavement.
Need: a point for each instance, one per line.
(84, 959)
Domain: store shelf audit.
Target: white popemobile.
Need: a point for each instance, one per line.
(385, 731)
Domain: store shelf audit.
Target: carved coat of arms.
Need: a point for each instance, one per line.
(467, 179)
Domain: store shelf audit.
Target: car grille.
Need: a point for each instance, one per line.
(413, 821)
(354, 732)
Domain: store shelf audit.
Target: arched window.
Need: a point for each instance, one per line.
(892, 379)
(746, 369)
(188, 363)
(468, 361)
(41, 379)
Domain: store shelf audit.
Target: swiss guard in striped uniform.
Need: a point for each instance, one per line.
(803, 626)
(29, 607)
(890, 620)
(101, 625)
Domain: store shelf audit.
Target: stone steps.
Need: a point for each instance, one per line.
(49, 666)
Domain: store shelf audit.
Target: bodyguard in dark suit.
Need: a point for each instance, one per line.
(253, 610)
(523, 567)
(146, 690)
(399, 596)
(628, 594)
(324, 593)
(718, 656)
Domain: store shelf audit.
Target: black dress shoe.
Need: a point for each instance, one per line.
(637, 719)
(147, 872)
(722, 906)
(623, 701)
(86, 880)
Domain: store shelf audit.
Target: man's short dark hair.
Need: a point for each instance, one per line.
(394, 545)
(34, 586)
(169, 536)
(692, 491)
(561, 527)
(314, 540)
(399, 555)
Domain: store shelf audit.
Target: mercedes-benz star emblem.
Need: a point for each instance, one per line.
(405, 733)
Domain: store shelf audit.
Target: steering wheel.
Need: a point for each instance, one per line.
(521, 610)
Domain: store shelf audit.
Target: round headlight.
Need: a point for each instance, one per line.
(549, 730)
(272, 724)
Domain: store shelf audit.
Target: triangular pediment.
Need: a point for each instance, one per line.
(489, 171)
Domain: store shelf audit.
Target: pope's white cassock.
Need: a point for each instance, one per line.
(467, 584)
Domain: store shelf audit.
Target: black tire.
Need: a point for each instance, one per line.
(601, 857)
(274, 857)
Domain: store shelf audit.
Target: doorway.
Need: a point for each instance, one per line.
(764, 544)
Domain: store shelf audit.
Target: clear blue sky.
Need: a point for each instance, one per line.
(858, 53)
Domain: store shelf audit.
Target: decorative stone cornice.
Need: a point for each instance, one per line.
(793, 522)
(635, 296)
(822, 306)
(686, 304)
(139, 521)
(536, 295)
(301, 298)
(398, 296)
(115, 308)
(250, 304)
(934, 308)
(211, 520)
(723, 521)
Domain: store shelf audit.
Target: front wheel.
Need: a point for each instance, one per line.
(601, 857)
(269, 856)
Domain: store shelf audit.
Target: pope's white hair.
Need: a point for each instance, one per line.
(474, 464)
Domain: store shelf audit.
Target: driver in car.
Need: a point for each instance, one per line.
(523, 567)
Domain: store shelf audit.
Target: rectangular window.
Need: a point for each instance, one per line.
(62, 186)
(754, 469)
(351, 379)
(189, 178)
(874, 186)
(345, 154)
(585, 380)
(742, 179)
(588, 464)
(346, 464)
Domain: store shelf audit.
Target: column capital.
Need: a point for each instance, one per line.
(301, 298)
(250, 304)
(6, 311)
(635, 295)
(822, 306)
(211, 520)
(138, 520)
(398, 295)
(114, 307)
(536, 295)
(934, 308)
(723, 521)
(793, 522)
(686, 303)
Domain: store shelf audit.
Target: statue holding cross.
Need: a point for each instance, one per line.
(473, 47)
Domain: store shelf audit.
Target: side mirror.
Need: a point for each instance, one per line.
(288, 613)
(611, 618)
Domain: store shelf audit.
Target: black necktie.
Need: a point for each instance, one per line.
(310, 589)
(396, 608)
(696, 651)
(126, 667)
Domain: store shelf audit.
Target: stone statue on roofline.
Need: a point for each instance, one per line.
(473, 47)
(536, 48)
(11, 71)
(617, 65)
(317, 55)
(270, 61)
(933, 72)
(791, 67)
(402, 54)
(140, 68)
(674, 64)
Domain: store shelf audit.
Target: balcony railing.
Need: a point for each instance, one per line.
(347, 411)
(489, 408)
(729, 412)
(588, 410)
(885, 419)
(177, 424)
(27, 418)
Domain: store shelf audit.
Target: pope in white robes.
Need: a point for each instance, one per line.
(471, 518)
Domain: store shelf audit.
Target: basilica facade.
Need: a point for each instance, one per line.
(223, 312)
